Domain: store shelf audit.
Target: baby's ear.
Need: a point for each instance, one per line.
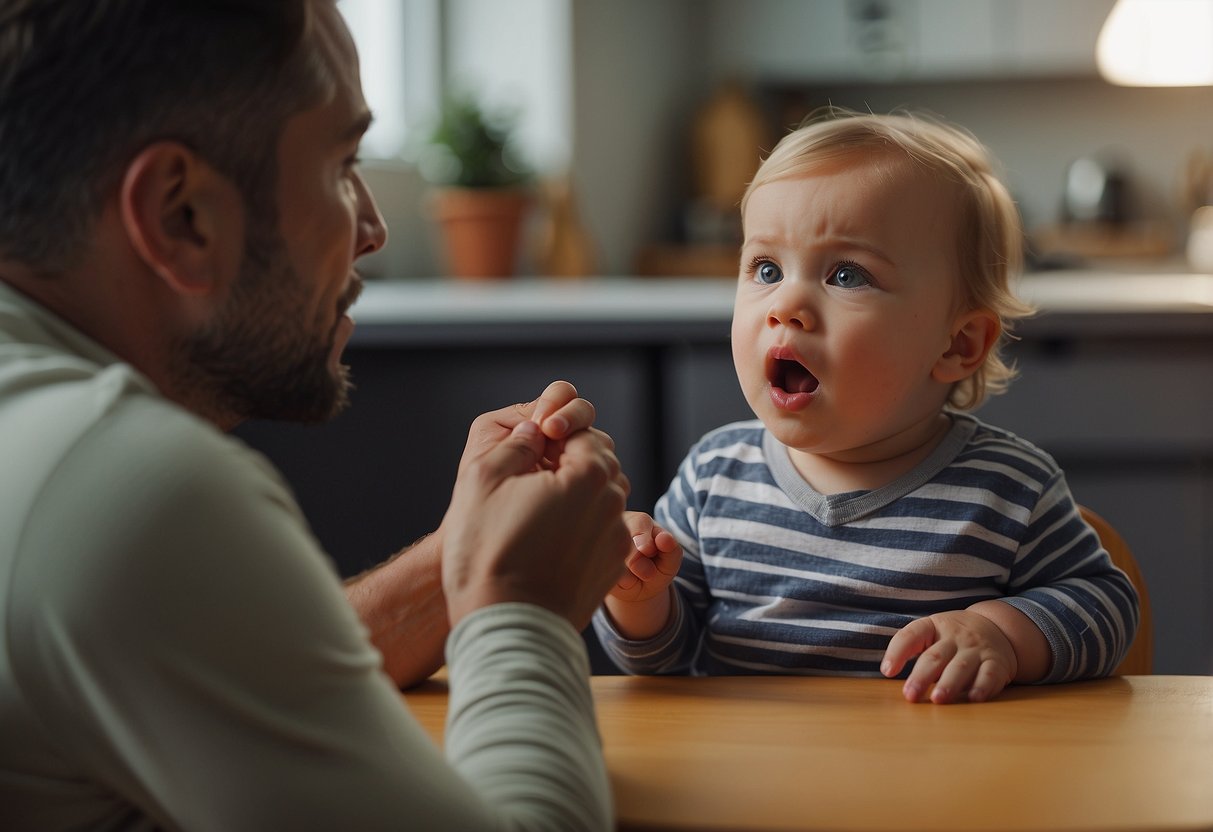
(974, 334)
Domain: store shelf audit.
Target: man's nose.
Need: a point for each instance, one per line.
(372, 230)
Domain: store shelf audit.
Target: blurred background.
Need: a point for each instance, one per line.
(634, 111)
(561, 180)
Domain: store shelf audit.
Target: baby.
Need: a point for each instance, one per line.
(865, 522)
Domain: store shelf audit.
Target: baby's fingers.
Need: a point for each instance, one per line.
(640, 564)
(928, 670)
(992, 678)
(664, 541)
(627, 582)
(908, 642)
(958, 677)
(970, 677)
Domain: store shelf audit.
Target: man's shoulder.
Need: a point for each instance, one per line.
(163, 457)
(146, 499)
(104, 454)
(112, 422)
(55, 402)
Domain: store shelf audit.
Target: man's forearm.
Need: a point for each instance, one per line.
(402, 605)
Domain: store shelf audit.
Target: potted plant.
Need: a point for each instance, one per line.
(481, 194)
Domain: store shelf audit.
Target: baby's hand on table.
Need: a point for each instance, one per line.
(964, 654)
(653, 563)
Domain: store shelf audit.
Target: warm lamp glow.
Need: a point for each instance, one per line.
(1157, 43)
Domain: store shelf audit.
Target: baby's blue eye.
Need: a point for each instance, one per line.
(849, 276)
(768, 272)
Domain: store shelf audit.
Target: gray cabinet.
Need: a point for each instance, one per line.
(380, 475)
(1130, 419)
(1123, 402)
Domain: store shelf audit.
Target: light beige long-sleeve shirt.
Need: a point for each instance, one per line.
(176, 651)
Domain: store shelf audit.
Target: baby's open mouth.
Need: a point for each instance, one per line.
(791, 376)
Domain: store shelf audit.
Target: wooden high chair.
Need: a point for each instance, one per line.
(1139, 661)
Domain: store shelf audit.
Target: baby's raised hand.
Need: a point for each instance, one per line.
(964, 654)
(653, 563)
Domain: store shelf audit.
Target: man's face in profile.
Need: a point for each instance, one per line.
(273, 351)
(260, 353)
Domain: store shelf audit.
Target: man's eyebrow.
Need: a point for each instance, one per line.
(359, 126)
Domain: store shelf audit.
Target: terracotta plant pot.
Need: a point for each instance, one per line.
(481, 229)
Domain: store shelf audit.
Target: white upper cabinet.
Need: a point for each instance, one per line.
(1057, 37)
(904, 40)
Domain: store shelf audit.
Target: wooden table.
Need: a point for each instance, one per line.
(796, 753)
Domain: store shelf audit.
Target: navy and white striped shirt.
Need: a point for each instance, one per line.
(778, 578)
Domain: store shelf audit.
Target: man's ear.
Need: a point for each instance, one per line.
(182, 217)
(974, 334)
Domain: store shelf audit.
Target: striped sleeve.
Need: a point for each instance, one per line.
(672, 650)
(1065, 581)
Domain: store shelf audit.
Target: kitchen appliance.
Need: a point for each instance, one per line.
(1094, 192)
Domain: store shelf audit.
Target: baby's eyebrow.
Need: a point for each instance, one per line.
(863, 245)
(831, 244)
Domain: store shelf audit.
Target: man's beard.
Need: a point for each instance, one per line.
(257, 359)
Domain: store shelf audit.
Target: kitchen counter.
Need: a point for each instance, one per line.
(542, 310)
(1116, 382)
(622, 309)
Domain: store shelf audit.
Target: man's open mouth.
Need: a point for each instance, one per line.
(787, 373)
(350, 296)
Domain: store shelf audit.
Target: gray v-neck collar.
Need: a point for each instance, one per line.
(837, 509)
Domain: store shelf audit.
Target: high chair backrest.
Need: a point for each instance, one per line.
(1139, 661)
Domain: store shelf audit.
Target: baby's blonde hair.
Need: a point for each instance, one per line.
(989, 241)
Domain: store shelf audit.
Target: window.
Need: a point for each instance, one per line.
(516, 55)
(399, 53)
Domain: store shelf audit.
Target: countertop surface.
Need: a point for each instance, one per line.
(1171, 302)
